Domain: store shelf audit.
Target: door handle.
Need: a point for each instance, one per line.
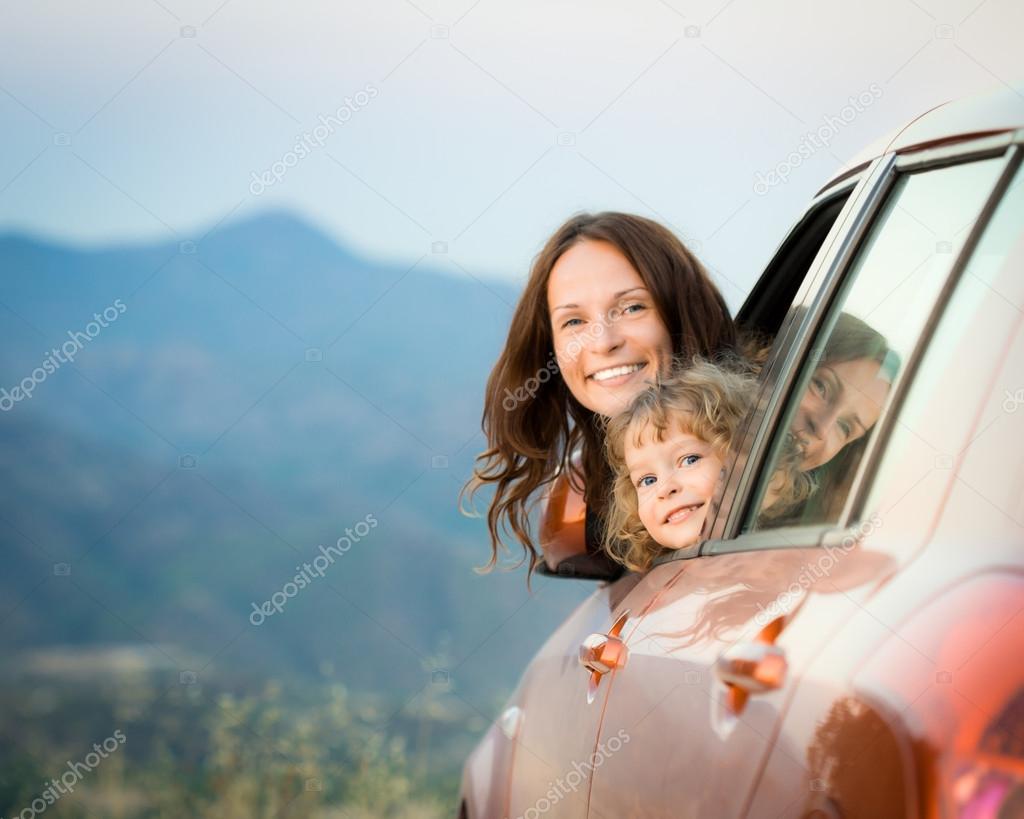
(755, 667)
(752, 667)
(601, 654)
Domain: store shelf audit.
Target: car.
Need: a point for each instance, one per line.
(861, 654)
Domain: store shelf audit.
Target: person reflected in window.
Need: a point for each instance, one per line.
(843, 400)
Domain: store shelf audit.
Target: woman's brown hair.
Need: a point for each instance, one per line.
(531, 420)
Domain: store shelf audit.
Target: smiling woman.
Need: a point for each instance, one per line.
(608, 334)
(843, 399)
(614, 298)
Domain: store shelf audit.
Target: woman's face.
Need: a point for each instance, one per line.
(841, 404)
(608, 336)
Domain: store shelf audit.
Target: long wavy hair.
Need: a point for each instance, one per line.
(532, 437)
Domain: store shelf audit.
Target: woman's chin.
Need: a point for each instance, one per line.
(612, 399)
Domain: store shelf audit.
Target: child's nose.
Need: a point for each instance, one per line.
(669, 486)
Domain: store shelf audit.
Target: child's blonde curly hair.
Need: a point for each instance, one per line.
(709, 401)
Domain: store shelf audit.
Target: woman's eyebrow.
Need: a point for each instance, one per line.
(618, 295)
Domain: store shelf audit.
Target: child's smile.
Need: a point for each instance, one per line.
(682, 513)
(675, 479)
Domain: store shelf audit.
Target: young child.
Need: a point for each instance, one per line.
(667, 451)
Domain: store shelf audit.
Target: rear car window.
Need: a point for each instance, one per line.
(863, 342)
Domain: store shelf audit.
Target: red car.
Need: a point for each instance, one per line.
(861, 655)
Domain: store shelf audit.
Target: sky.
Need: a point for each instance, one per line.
(467, 130)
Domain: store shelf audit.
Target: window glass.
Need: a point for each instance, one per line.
(864, 342)
(954, 381)
(765, 308)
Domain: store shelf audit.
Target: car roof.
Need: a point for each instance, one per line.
(993, 112)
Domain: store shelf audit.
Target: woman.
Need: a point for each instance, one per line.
(610, 300)
(841, 404)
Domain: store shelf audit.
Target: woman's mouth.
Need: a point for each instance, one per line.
(681, 513)
(614, 376)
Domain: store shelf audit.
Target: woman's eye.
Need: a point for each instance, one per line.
(632, 307)
(845, 428)
(818, 384)
(689, 460)
(570, 322)
(643, 482)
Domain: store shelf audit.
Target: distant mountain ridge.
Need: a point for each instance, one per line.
(262, 391)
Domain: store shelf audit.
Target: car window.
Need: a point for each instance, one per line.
(864, 341)
(765, 308)
(978, 327)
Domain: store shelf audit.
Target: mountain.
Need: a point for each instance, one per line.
(252, 397)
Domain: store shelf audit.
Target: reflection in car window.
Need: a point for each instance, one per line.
(864, 342)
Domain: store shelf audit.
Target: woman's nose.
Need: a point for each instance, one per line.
(827, 421)
(811, 425)
(822, 420)
(607, 337)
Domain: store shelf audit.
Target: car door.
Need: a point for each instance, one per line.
(552, 729)
(711, 666)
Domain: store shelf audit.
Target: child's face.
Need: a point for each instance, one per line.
(675, 479)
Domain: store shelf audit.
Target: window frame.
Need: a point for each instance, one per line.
(815, 297)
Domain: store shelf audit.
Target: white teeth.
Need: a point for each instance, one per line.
(615, 372)
(682, 513)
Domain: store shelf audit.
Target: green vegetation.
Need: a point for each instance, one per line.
(195, 750)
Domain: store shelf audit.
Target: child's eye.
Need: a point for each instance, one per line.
(819, 386)
(641, 483)
(689, 460)
(845, 428)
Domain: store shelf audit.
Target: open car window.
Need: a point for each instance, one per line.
(861, 346)
(766, 307)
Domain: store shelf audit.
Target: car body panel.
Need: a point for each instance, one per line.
(689, 753)
(559, 727)
(997, 111)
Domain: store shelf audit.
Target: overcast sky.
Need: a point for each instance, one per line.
(488, 124)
